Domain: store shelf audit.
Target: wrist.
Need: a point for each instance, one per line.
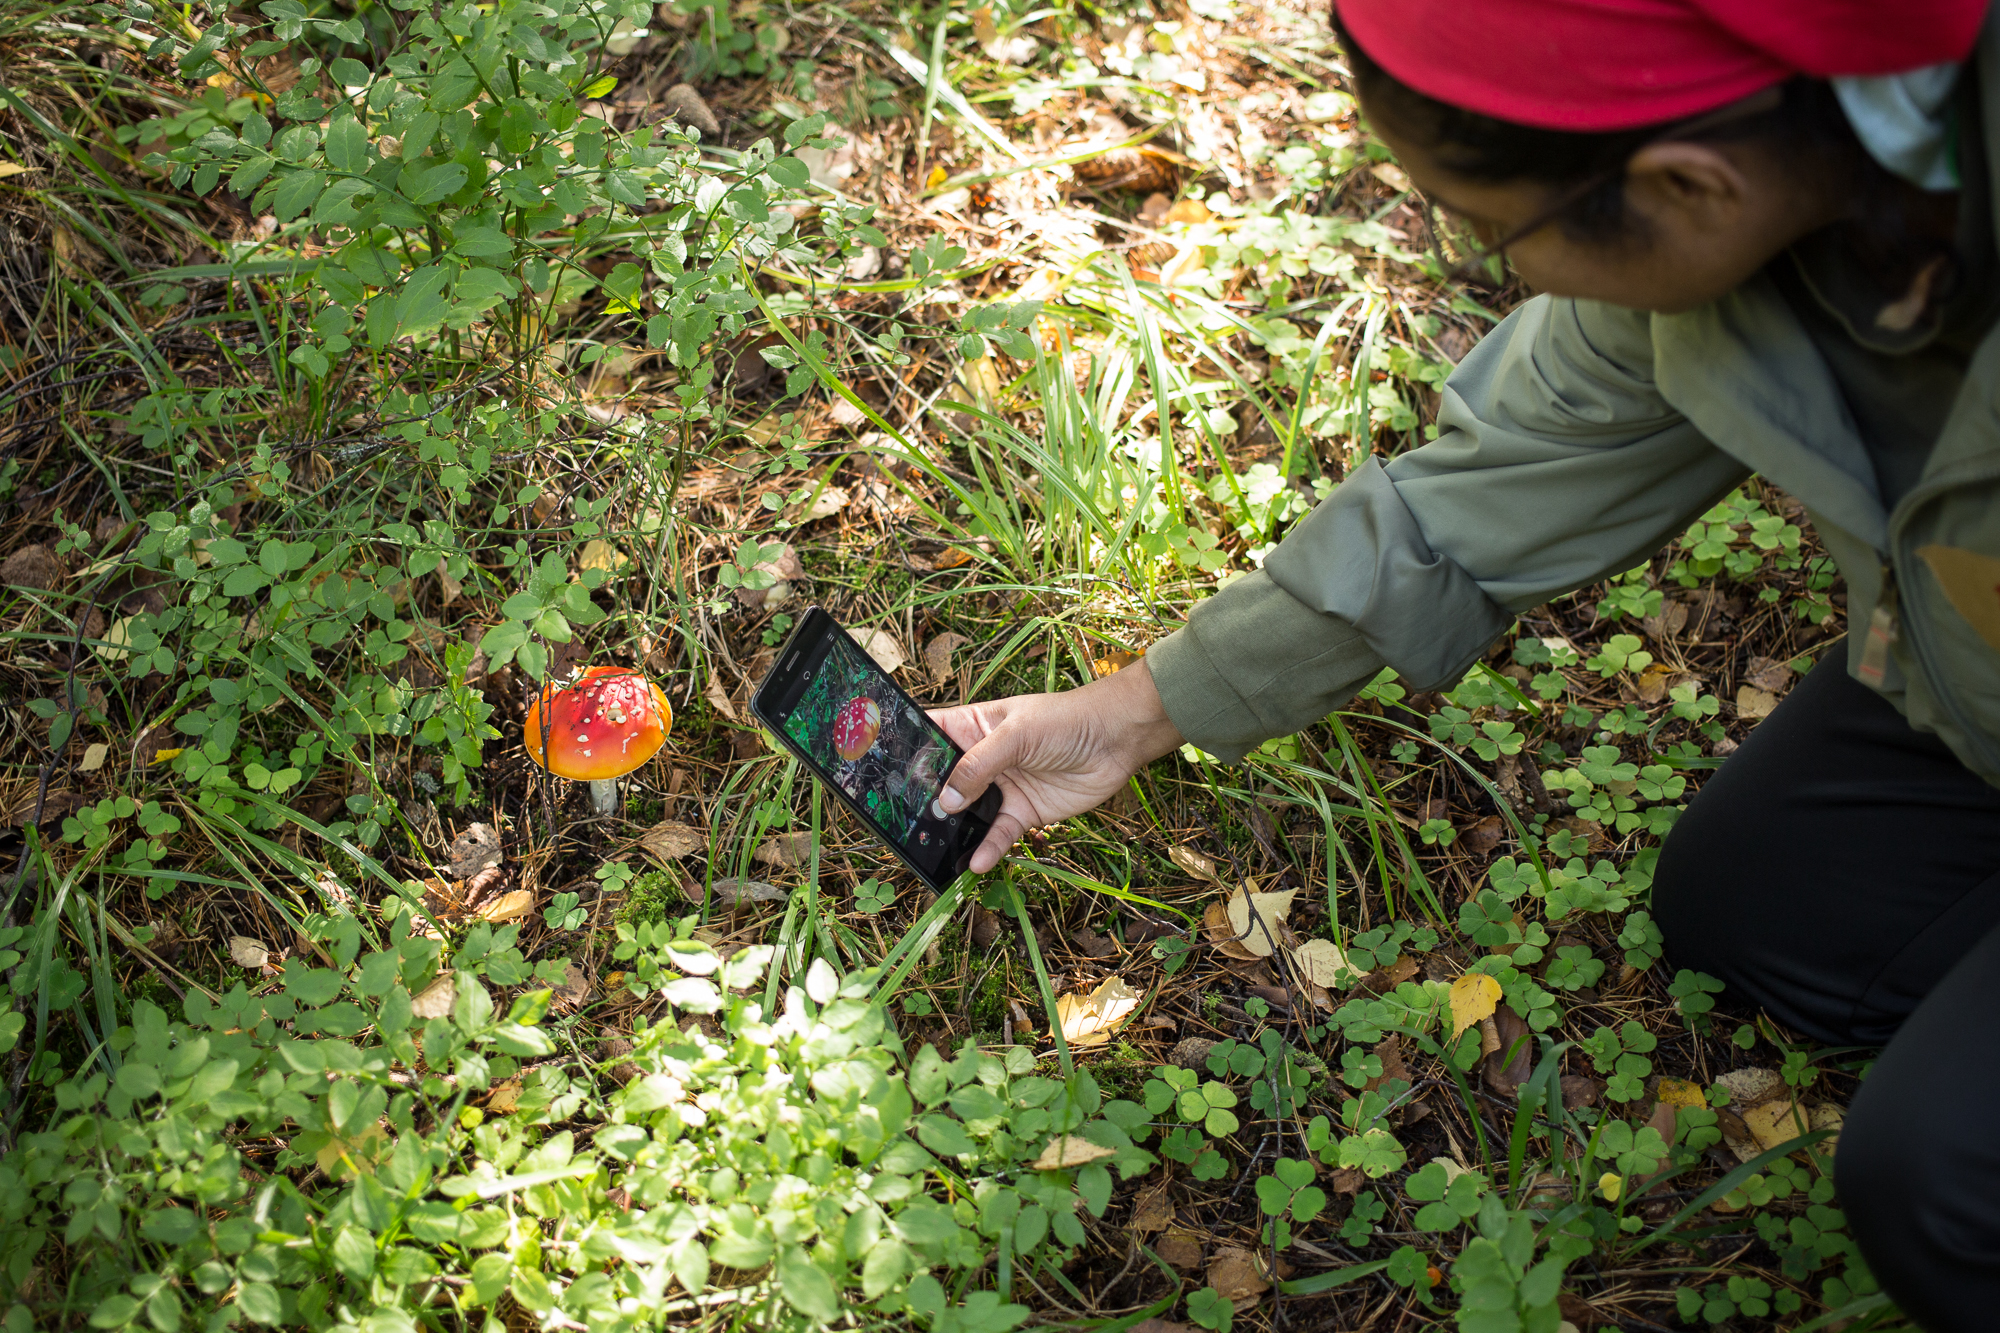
(1140, 725)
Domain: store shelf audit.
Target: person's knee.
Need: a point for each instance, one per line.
(1917, 1196)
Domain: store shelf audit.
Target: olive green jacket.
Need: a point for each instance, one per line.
(1575, 441)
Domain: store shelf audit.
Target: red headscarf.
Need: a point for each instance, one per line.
(1619, 64)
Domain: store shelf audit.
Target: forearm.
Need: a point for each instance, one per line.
(1254, 662)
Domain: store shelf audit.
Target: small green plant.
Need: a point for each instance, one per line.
(873, 896)
(564, 912)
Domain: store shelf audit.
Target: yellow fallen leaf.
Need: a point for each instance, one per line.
(1069, 1150)
(1680, 1092)
(1611, 1185)
(342, 1159)
(505, 1096)
(435, 1000)
(1322, 962)
(1775, 1122)
(1259, 936)
(1473, 996)
(509, 906)
(14, 169)
(1089, 1020)
(94, 757)
(111, 647)
(601, 554)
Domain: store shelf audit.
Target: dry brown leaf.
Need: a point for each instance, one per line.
(1089, 944)
(1070, 1150)
(1484, 836)
(1384, 979)
(671, 840)
(509, 906)
(1259, 935)
(1768, 674)
(1508, 1067)
(1748, 1087)
(476, 849)
(1154, 1210)
(1673, 618)
(1579, 1091)
(1651, 687)
(937, 654)
(577, 988)
(785, 849)
(1348, 1180)
(32, 567)
(1321, 962)
(684, 104)
(246, 952)
(734, 892)
(1089, 1020)
(1195, 863)
(436, 999)
(881, 645)
(504, 1096)
(1473, 996)
(1390, 1052)
(1237, 1276)
(718, 696)
(1215, 921)
(1182, 1249)
(1752, 702)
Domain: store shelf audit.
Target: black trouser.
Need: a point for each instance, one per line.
(1842, 871)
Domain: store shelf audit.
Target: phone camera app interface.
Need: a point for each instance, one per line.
(878, 748)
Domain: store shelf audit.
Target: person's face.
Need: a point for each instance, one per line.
(1702, 218)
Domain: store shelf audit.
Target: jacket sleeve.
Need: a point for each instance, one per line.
(1557, 462)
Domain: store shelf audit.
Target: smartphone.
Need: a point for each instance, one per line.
(827, 702)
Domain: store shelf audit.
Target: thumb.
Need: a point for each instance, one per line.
(992, 755)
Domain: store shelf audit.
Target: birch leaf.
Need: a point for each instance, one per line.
(1259, 936)
(1089, 1020)
(1473, 996)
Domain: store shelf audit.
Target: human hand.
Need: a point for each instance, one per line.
(1054, 755)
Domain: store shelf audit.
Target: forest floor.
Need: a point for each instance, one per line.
(1238, 307)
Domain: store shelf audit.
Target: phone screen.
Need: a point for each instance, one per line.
(865, 736)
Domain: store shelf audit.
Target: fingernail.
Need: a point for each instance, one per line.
(952, 801)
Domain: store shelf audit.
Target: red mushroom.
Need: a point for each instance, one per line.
(856, 726)
(601, 726)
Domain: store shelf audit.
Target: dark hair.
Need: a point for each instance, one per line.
(1891, 232)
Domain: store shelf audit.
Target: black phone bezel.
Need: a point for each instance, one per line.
(977, 818)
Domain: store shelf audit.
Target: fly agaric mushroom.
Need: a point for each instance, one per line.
(600, 726)
(855, 727)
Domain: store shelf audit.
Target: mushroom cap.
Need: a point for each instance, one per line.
(855, 727)
(604, 724)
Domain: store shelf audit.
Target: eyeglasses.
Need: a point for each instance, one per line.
(1464, 257)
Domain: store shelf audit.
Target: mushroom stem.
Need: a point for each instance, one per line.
(604, 796)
